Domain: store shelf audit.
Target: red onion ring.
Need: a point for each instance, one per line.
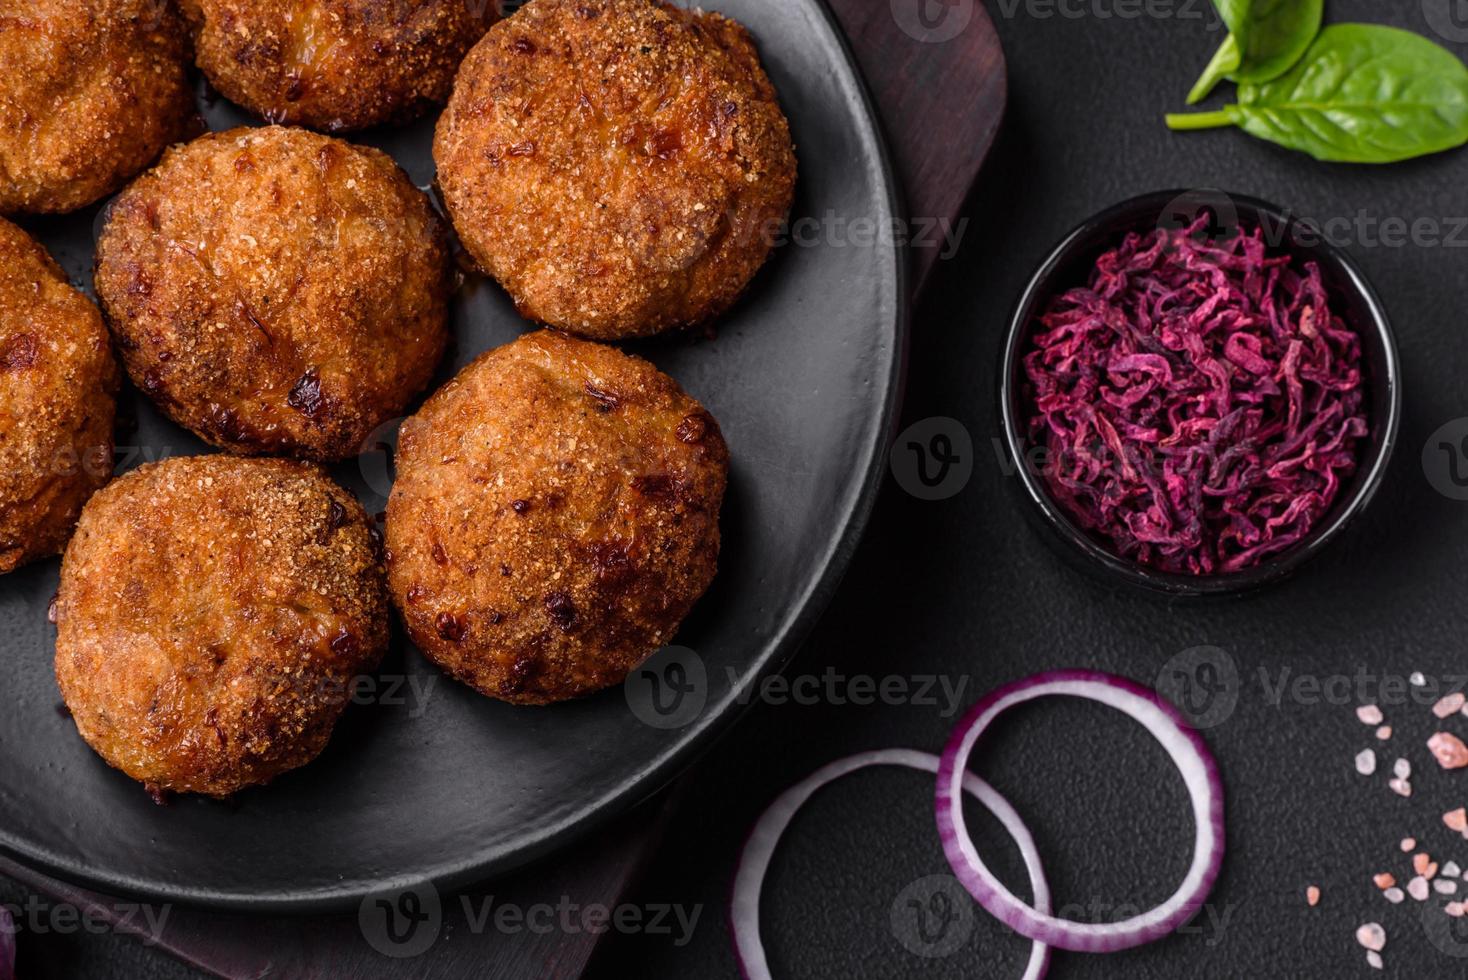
(1188, 753)
(754, 861)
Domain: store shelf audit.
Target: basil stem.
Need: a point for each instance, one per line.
(1362, 93)
(1266, 37)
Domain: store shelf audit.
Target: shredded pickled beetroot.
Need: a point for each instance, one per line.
(1198, 402)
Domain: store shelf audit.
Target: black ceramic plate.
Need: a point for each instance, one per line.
(430, 780)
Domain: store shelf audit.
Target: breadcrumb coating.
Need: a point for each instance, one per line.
(90, 94)
(276, 291)
(555, 517)
(57, 383)
(336, 65)
(620, 166)
(213, 612)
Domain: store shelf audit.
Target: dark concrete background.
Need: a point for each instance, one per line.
(967, 590)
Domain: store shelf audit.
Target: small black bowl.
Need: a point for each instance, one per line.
(1070, 264)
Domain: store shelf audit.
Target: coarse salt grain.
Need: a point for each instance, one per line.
(1422, 864)
(1394, 895)
(1373, 958)
(1445, 886)
(1451, 870)
(1418, 888)
(1455, 909)
(1384, 732)
(1401, 787)
(1408, 843)
(1448, 750)
(1402, 769)
(1384, 880)
(1369, 714)
(1416, 679)
(1450, 704)
(1312, 896)
(1372, 936)
(1366, 762)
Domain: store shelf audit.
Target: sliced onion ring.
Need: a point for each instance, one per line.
(1188, 753)
(754, 861)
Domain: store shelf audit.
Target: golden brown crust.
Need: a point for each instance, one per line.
(555, 516)
(212, 614)
(275, 290)
(619, 166)
(90, 94)
(57, 382)
(336, 65)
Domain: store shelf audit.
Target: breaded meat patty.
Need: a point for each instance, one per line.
(336, 64)
(275, 290)
(212, 615)
(90, 93)
(620, 166)
(555, 516)
(57, 382)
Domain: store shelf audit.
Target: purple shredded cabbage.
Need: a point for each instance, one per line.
(1198, 403)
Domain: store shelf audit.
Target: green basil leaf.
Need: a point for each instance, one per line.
(1266, 38)
(1362, 93)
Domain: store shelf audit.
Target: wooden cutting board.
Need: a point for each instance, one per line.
(936, 73)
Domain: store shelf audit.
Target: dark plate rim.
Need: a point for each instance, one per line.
(454, 875)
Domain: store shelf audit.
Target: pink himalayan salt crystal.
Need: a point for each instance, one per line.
(1424, 865)
(1394, 895)
(1373, 959)
(1448, 750)
(1366, 762)
(1369, 714)
(1384, 880)
(1418, 888)
(1372, 936)
(1384, 732)
(1455, 909)
(1401, 787)
(1408, 843)
(1450, 704)
(1456, 820)
(1312, 896)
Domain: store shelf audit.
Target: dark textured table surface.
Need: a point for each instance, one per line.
(965, 591)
